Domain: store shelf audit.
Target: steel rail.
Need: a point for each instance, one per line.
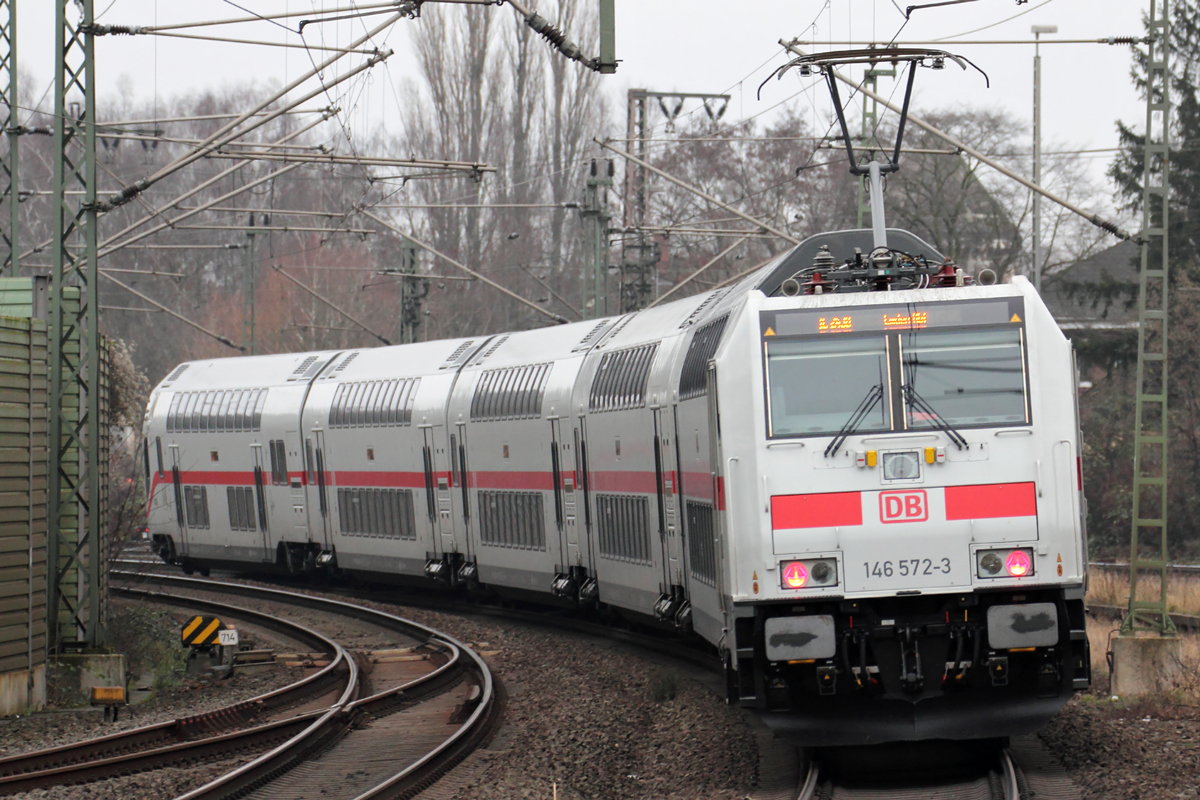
(1006, 769)
(144, 748)
(411, 779)
(812, 780)
(1008, 776)
(656, 644)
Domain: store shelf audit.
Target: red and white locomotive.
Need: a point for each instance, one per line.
(856, 476)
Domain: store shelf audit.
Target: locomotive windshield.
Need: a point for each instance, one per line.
(940, 366)
(816, 384)
(969, 378)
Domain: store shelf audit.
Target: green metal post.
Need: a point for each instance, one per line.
(74, 217)
(249, 283)
(1148, 541)
(608, 37)
(11, 162)
(412, 291)
(595, 220)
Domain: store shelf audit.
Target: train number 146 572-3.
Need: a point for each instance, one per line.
(907, 567)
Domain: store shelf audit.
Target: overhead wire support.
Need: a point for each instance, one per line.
(365, 161)
(262, 43)
(556, 295)
(214, 180)
(320, 297)
(268, 17)
(1109, 40)
(605, 63)
(10, 163)
(204, 118)
(696, 191)
(428, 248)
(234, 129)
(109, 245)
(1148, 553)
(274, 229)
(1095, 219)
(75, 467)
(700, 271)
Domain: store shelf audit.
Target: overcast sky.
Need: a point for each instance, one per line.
(670, 45)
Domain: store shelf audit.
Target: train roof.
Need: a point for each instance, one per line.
(416, 360)
(240, 372)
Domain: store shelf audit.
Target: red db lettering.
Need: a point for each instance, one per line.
(894, 506)
(903, 506)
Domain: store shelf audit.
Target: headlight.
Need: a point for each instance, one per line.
(816, 572)
(1013, 563)
(901, 466)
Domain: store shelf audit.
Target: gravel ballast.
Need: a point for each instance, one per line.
(590, 718)
(1130, 751)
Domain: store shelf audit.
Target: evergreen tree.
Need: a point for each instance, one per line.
(1127, 169)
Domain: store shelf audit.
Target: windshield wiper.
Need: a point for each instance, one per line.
(919, 403)
(874, 395)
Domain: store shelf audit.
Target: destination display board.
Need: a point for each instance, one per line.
(898, 317)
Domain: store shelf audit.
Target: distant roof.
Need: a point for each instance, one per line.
(1097, 293)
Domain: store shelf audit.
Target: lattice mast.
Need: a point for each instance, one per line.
(75, 376)
(9, 164)
(1148, 554)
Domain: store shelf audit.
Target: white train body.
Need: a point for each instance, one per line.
(913, 570)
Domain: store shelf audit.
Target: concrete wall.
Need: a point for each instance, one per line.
(18, 695)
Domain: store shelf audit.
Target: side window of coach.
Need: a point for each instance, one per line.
(279, 470)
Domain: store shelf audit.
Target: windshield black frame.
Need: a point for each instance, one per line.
(833, 353)
(976, 363)
(895, 402)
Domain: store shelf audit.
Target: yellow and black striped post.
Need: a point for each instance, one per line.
(201, 631)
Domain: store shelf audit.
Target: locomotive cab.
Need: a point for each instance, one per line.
(908, 550)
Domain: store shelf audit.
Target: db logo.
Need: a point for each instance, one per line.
(906, 506)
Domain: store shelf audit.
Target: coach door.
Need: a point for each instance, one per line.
(295, 482)
(461, 481)
(563, 482)
(665, 486)
(582, 491)
(260, 501)
(317, 499)
(717, 467)
(437, 494)
(177, 487)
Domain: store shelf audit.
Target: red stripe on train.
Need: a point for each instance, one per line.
(991, 501)
(213, 477)
(528, 481)
(816, 510)
(409, 480)
(631, 481)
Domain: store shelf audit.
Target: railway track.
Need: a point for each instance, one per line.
(1018, 770)
(357, 724)
(999, 782)
(1024, 770)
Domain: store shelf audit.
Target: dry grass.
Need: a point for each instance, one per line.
(1110, 587)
